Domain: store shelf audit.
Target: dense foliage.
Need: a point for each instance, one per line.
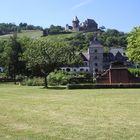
(135, 72)
(49, 55)
(8, 28)
(35, 81)
(56, 29)
(133, 49)
(113, 38)
(35, 57)
(10, 53)
(64, 78)
(109, 38)
(59, 78)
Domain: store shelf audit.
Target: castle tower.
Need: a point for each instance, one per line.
(75, 23)
(95, 52)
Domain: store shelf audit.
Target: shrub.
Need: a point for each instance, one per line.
(135, 72)
(97, 86)
(58, 78)
(20, 78)
(80, 86)
(78, 80)
(63, 78)
(33, 81)
(3, 75)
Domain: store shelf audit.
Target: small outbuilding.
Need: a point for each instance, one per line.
(117, 73)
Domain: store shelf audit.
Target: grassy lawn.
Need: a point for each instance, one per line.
(34, 113)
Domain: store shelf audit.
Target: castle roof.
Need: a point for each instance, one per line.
(75, 18)
(91, 21)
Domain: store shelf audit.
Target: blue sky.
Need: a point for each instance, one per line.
(115, 14)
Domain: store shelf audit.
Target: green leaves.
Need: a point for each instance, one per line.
(133, 48)
(50, 55)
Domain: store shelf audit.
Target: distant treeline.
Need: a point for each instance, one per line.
(53, 30)
(7, 28)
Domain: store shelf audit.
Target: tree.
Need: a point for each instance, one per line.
(23, 26)
(133, 48)
(11, 51)
(43, 56)
(56, 29)
(112, 38)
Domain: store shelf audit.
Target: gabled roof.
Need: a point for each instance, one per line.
(108, 57)
(84, 56)
(116, 50)
(119, 57)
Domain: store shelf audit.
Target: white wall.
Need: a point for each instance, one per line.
(75, 69)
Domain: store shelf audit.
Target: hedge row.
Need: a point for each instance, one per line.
(97, 86)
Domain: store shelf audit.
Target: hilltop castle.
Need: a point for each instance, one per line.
(87, 25)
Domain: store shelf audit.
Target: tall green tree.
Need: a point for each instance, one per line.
(133, 48)
(45, 56)
(10, 56)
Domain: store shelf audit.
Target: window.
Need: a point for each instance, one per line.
(68, 69)
(96, 70)
(81, 69)
(96, 64)
(95, 57)
(85, 63)
(95, 50)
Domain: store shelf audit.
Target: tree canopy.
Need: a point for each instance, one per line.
(133, 48)
(10, 53)
(43, 56)
(8, 28)
(49, 55)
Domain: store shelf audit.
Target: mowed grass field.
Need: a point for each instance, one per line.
(34, 113)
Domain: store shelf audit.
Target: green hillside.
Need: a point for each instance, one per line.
(38, 33)
(79, 40)
(109, 38)
(28, 33)
(61, 36)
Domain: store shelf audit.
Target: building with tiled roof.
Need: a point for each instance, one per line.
(95, 60)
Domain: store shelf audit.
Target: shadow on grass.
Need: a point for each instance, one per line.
(55, 87)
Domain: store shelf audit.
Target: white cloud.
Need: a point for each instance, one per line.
(81, 4)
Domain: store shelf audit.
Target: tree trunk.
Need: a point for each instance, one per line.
(45, 80)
